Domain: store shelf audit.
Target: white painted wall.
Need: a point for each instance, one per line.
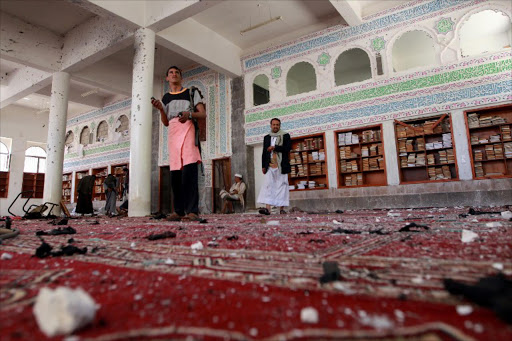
(26, 129)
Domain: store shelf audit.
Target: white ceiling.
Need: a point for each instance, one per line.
(226, 18)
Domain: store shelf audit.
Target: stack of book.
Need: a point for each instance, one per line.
(489, 152)
(498, 120)
(353, 165)
(295, 158)
(321, 155)
(401, 131)
(409, 147)
(364, 151)
(381, 162)
(420, 160)
(354, 179)
(420, 143)
(302, 170)
(479, 155)
(479, 170)
(293, 172)
(374, 163)
(498, 151)
(431, 160)
(485, 121)
(374, 149)
(311, 184)
(446, 172)
(473, 121)
(447, 140)
(442, 157)
(324, 168)
(347, 138)
(345, 153)
(411, 160)
(403, 161)
(450, 156)
(495, 138)
(474, 139)
(371, 135)
(505, 130)
(366, 165)
(508, 150)
(315, 169)
(401, 146)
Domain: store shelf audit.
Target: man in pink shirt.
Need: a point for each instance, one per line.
(184, 155)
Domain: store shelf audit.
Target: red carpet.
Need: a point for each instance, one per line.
(254, 278)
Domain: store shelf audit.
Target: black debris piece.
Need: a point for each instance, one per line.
(319, 241)
(410, 227)
(493, 292)
(220, 227)
(331, 272)
(71, 240)
(463, 215)
(344, 231)
(156, 236)
(379, 231)
(472, 211)
(8, 222)
(63, 221)
(233, 237)
(158, 216)
(203, 221)
(305, 233)
(44, 250)
(339, 211)
(58, 231)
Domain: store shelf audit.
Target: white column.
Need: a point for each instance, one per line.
(390, 153)
(330, 151)
(56, 139)
(140, 123)
(460, 142)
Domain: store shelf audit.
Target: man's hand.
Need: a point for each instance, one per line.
(157, 104)
(184, 116)
(264, 170)
(271, 148)
(235, 191)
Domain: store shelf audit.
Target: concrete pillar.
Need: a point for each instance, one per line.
(56, 139)
(330, 148)
(460, 141)
(390, 152)
(140, 123)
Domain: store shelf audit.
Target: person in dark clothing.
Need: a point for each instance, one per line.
(110, 187)
(85, 188)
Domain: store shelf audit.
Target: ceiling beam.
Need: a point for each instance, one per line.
(350, 10)
(203, 45)
(131, 12)
(24, 82)
(75, 97)
(29, 45)
(163, 14)
(104, 36)
(108, 75)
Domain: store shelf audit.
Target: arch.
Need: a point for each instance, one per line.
(413, 49)
(102, 131)
(485, 31)
(123, 125)
(70, 141)
(4, 157)
(352, 66)
(260, 90)
(35, 160)
(85, 136)
(300, 78)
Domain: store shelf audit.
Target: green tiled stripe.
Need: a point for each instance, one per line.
(102, 149)
(413, 84)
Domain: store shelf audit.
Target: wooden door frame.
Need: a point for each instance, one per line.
(213, 177)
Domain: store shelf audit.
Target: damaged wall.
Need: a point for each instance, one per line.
(446, 83)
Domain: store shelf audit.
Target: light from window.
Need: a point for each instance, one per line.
(35, 160)
(123, 125)
(413, 49)
(4, 158)
(260, 90)
(352, 66)
(300, 79)
(484, 32)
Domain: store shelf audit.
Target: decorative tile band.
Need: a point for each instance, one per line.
(348, 32)
(439, 99)
(412, 84)
(195, 72)
(126, 104)
(99, 160)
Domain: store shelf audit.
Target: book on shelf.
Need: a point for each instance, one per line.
(506, 134)
(479, 170)
(473, 121)
(508, 149)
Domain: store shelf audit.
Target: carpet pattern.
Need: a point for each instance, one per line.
(256, 273)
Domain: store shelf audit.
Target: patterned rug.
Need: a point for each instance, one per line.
(257, 273)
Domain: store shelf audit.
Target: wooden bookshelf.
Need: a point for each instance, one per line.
(66, 187)
(360, 157)
(118, 172)
(490, 141)
(34, 182)
(309, 163)
(98, 193)
(4, 184)
(78, 176)
(426, 151)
